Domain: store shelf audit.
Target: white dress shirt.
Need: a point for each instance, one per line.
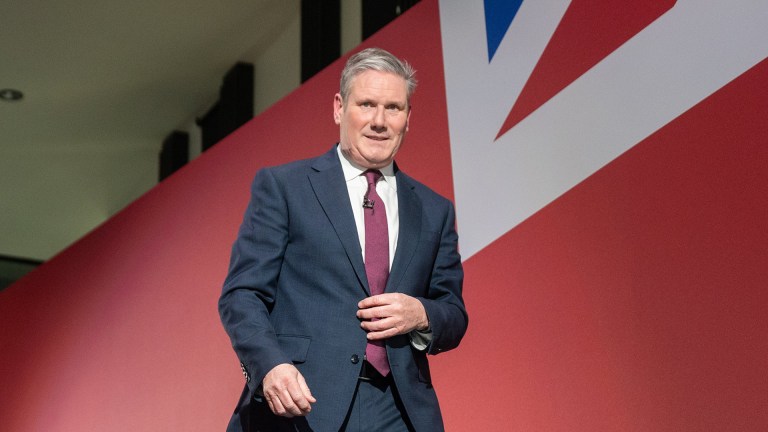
(386, 187)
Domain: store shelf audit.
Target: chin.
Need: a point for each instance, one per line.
(382, 155)
(379, 161)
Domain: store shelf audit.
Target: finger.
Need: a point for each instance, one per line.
(271, 405)
(380, 335)
(378, 312)
(289, 406)
(297, 390)
(384, 328)
(377, 300)
(378, 324)
(277, 407)
(300, 404)
(305, 389)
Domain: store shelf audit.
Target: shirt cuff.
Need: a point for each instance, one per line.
(420, 339)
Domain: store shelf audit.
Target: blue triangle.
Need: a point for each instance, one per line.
(498, 16)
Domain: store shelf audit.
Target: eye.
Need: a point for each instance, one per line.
(366, 104)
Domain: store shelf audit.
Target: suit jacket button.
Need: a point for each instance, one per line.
(355, 359)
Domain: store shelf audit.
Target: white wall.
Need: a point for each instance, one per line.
(56, 192)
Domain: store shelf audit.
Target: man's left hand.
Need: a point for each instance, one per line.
(391, 314)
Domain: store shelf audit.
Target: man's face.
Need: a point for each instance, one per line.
(374, 119)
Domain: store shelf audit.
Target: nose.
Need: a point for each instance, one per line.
(377, 122)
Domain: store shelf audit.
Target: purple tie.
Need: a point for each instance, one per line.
(376, 260)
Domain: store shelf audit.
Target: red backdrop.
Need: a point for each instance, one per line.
(634, 302)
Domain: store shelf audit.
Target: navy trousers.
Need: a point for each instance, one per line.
(376, 407)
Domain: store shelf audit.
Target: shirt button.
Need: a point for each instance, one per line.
(355, 359)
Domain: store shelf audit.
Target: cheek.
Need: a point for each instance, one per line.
(400, 125)
(402, 130)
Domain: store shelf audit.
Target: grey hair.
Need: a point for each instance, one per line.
(379, 60)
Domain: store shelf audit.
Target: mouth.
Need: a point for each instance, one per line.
(377, 138)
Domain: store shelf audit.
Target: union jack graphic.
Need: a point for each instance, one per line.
(565, 87)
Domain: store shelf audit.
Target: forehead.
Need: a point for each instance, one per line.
(373, 83)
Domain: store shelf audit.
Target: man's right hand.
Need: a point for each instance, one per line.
(287, 392)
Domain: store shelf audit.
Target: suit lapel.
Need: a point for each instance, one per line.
(410, 229)
(327, 181)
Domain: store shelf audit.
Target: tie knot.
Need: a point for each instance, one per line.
(372, 176)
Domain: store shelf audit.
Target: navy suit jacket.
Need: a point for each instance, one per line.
(297, 274)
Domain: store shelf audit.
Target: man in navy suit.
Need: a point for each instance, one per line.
(297, 302)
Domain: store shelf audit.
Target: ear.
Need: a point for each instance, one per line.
(338, 108)
(408, 119)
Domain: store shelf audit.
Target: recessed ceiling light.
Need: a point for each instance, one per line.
(11, 95)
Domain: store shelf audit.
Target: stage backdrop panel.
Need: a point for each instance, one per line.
(607, 161)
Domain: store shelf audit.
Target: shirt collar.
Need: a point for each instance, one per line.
(352, 170)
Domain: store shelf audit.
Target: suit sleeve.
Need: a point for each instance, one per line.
(444, 304)
(249, 288)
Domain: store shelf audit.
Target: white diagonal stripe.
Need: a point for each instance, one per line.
(680, 59)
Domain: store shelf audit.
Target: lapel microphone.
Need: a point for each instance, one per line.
(368, 203)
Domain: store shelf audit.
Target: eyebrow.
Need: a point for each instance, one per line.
(399, 104)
